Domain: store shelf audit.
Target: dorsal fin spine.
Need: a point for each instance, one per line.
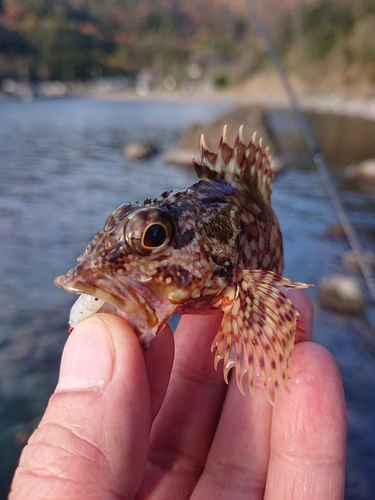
(223, 137)
(244, 164)
(222, 143)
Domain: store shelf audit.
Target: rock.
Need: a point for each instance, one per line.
(336, 231)
(139, 150)
(349, 260)
(181, 157)
(342, 294)
(277, 164)
(363, 172)
(251, 117)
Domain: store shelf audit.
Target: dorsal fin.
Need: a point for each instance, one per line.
(249, 165)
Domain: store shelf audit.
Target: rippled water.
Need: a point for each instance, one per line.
(62, 171)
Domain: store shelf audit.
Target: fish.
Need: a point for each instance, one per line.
(215, 244)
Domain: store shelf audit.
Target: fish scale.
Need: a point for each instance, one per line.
(213, 245)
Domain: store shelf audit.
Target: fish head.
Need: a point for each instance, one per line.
(171, 255)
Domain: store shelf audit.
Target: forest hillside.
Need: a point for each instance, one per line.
(210, 40)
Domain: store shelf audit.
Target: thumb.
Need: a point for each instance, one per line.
(93, 439)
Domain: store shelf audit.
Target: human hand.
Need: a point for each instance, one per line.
(112, 429)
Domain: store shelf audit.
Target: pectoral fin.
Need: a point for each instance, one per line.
(257, 331)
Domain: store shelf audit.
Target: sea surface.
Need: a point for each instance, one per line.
(62, 171)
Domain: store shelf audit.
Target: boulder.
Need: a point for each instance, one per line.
(181, 157)
(277, 164)
(363, 172)
(350, 261)
(342, 294)
(253, 118)
(139, 150)
(336, 231)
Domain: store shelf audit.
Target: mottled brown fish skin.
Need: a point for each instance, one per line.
(214, 244)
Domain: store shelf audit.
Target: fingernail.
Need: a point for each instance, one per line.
(88, 358)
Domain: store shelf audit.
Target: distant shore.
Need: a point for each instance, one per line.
(266, 90)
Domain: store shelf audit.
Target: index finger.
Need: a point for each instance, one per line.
(184, 428)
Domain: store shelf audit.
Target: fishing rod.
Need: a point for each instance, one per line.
(315, 151)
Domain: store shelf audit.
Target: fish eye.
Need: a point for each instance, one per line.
(150, 231)
(154, 236)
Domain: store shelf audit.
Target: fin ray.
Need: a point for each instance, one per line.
(257, 331)
(246, 164)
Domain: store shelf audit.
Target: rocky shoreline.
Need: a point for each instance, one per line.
(266, 90)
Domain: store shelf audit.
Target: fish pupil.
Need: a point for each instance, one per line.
(154, 236)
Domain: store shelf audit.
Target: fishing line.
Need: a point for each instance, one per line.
(315, 151)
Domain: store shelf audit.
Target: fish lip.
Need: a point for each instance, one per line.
(128, 295)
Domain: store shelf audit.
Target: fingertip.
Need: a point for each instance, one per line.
(312, 362)
(305, 319)
(92, 352)
(315, 409)
(90, 340)
(128, 349)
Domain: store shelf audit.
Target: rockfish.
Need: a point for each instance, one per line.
(213, 245)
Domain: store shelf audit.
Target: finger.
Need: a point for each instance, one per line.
(306, 314)
(184, 428)
(93, 439)
(236, 466)
(307, 454)
(159, 362)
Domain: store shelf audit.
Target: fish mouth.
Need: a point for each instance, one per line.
(128, 297)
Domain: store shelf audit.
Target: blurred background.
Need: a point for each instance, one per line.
(104, 102)
(51, 46)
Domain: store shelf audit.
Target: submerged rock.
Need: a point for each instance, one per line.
(253, 118)
(350, 261)
(277, 164)
(336, 231)
(342, 294)
(363, 172)
(139, 150)
(181, 157)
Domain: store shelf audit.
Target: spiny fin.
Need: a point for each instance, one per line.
(249, 164)
(257, 331)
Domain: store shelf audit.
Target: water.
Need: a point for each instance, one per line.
(62, 171)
